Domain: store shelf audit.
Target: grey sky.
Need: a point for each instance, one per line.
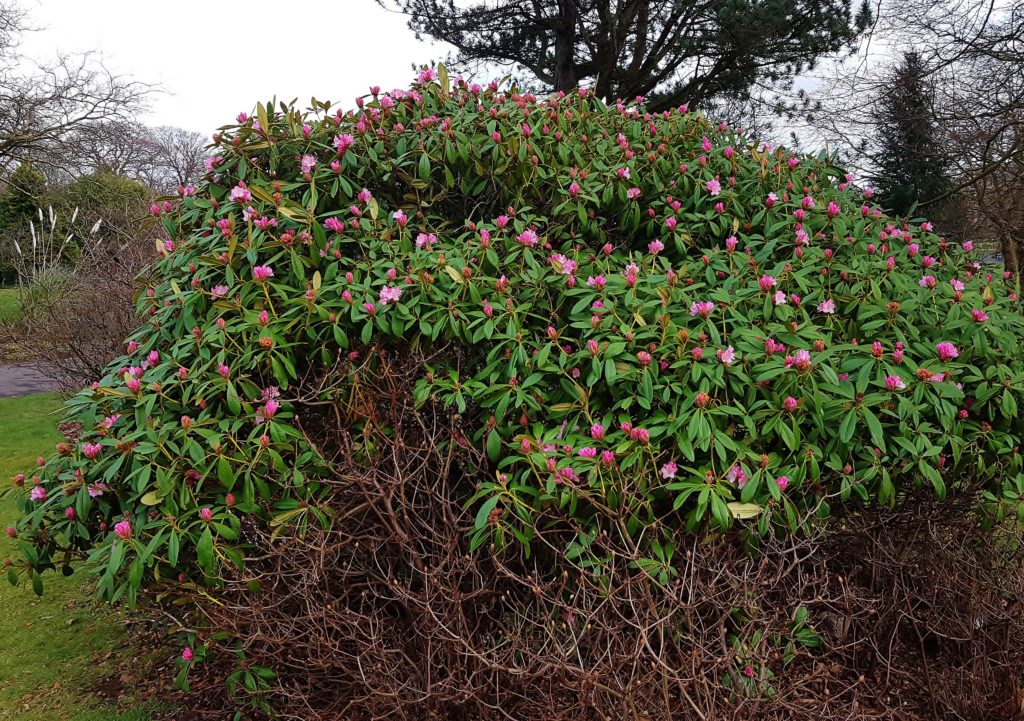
(216, 58)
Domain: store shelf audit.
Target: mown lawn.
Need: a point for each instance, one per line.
(9, 310)
(55, 649)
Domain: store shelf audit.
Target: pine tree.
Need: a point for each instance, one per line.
(671, 51)
(912, 164)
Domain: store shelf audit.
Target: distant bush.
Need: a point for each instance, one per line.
(624, 327)
(75, 293)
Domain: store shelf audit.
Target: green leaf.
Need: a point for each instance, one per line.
(234, 405)
(173, 548)
(932, 474)
(485, 511)
(847, 427)
(152, 498)
(875, 427)
(493, 445)
(1009, 404)
(609, 371)
(204, 550)
(424, 167)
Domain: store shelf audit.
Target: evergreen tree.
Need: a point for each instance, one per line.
(672, 51)
(22, 196)
(912, 164)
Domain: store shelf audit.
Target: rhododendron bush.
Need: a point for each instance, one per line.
(636, 325)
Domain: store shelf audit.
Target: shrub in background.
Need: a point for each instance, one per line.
(627, 331)
(22, 197)
(76, 268)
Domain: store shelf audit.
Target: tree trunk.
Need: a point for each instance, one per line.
(1012, 249)
(565, 74)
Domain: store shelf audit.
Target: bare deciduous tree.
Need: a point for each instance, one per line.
(178, 156)
(43, 105)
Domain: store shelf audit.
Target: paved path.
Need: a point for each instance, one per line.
(17, 380)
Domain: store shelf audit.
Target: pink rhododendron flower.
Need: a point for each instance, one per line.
(632, 273)
(240, 194)
(91, 450)
(527, 238)
(979, 315)
(187, 654)
(400, 217)
(737, 476)
(727, 356)
(562, 265)
(38, 493)
(766, 282)
(779, 298)
(947, 351)
(782, 482)
(827, 306)
(389, 295)
(262, 272)
(713, 187)
(307, 163)
(790, 404)
(655, 247)
(597, 432)
(269, 410)
(669, 470)
(894, 383)
(425, 240)
(588, 452)
(927, 281)
(123, 530)
(702, 308)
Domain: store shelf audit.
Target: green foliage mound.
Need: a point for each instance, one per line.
(644, 322)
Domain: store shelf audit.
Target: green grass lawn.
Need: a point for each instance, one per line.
(9, 311)
(54, 648)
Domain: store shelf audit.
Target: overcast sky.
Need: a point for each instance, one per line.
(215, 58)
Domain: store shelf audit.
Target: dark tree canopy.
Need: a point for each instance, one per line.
(672, 51)
(913, 165)
(21, 197)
